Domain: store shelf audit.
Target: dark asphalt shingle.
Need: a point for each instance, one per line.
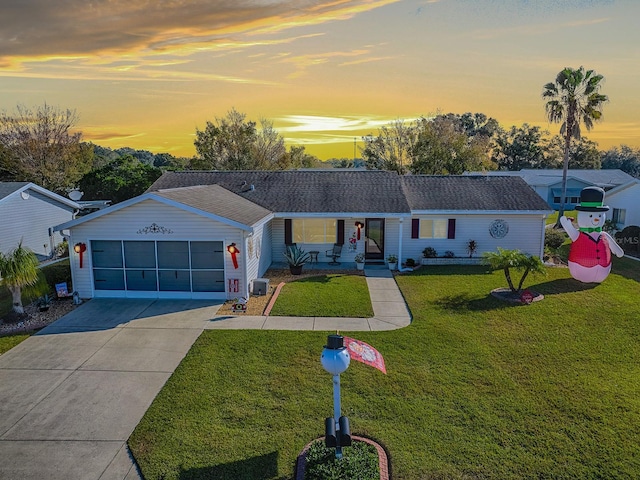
(483, 192)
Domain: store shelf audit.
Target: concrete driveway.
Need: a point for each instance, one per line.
(71, 395)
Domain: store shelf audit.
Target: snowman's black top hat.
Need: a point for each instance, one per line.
(592, 200)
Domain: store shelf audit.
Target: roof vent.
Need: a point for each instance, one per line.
(252, 187)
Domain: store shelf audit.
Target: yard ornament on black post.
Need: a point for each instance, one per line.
(335, 359)
(591, 247)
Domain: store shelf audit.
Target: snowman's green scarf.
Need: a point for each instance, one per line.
(590, 229)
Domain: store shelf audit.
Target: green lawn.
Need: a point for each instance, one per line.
(475, 388)
(553, 218)
(7, 343)
(325, 295)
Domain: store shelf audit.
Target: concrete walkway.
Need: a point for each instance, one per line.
(71, 395)
(389, 312)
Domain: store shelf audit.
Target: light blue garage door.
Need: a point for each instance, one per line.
(135, 268)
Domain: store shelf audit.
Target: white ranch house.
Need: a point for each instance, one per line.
(175, 241)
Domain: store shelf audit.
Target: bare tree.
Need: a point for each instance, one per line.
(268, 150)
(393, 148)
(41, 147)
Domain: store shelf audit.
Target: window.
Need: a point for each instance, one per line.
(433, 228)
(618, 216)
(314, 230)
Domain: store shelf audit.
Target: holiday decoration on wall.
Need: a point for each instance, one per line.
(359, 226)
(80, 248)
(234, 251)
(591, 247)
(353, 242)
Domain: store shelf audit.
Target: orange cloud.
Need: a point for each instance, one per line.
(43, 30)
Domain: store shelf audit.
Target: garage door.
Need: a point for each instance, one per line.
(158, 268)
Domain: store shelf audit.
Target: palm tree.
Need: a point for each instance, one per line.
(573, 99)
(505, 260)
(18, 269)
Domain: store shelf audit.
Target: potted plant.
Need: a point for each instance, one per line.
(392, 260)
(296, 257)
(359, 261)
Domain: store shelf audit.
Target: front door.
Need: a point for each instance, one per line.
(374, 239)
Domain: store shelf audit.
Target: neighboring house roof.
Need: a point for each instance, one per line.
(622, 188)
(607, 178)
(471, 193)
(9, 188)
(291, 191)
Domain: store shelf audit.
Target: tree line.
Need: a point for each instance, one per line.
(41, 145)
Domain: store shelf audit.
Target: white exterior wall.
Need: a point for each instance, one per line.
(29, 220)
(526, 233)
(627, 199)
(259, 250)
(124, 225)
(348, 253)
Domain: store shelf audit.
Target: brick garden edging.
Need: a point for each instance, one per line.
(301, 462)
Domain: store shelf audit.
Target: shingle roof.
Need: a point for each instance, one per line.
(218, 201)
(303, 191)
(471, 193)
(606, 178)
(7, 188)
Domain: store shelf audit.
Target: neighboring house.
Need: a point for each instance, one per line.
(175, 240)
(28, 212)
(548, 182)
(624, 202)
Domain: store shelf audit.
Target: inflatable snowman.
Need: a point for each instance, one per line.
(591, 247)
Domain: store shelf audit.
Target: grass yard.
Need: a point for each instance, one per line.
(475, 388)
(7, 343)
(325, 295)
(553, 218)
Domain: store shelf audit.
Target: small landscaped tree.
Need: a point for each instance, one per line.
(18, 269)
(507, 260)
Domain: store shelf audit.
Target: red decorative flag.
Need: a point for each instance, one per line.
(364, 353)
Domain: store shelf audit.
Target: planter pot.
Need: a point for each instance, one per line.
(393, 266)
(295, 269)
(360, 265)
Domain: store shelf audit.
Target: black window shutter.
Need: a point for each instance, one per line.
(340, 233)
(288, 238)
(415, 228)
(451, 232)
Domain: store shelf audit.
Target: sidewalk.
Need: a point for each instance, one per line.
(389, 313)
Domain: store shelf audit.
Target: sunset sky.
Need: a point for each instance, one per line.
(147, 73)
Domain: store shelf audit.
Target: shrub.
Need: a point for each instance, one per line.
(359, 461)
(429, 252)
(449, 254)
(629, 238)
(553, 238)
(410, 262)
(57, 273)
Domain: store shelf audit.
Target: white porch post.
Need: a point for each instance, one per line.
(400, 221)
